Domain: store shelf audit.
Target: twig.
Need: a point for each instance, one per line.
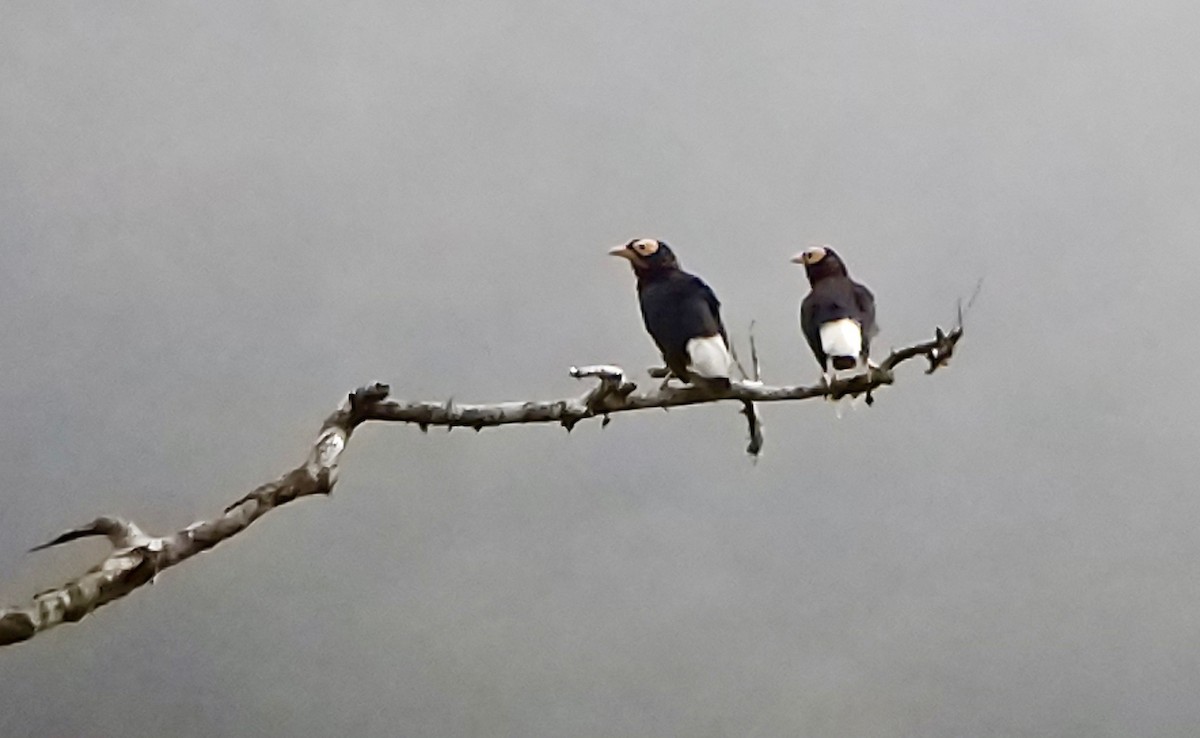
(749, 409)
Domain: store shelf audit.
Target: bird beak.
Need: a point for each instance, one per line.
(798, 258)
(624, 252)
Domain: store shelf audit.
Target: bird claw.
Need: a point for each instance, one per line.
(827, 385)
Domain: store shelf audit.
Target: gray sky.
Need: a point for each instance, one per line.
(219, 217)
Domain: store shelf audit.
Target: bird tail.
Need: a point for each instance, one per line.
(709, 358)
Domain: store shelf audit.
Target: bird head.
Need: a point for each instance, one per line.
(647, 255)
(820, 262)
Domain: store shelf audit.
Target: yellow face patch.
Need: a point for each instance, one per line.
(645, 247)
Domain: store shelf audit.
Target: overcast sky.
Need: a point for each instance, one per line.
(217, 218)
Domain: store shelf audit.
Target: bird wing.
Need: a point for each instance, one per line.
(865, 301)
(713, 322)
(810, 327)
(708, 355)
(677, 310)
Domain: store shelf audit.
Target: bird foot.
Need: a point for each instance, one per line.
(871, 368)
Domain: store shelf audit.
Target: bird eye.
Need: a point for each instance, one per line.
(646, 247)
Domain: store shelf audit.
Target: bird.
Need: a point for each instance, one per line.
(681, 313)
(837, 317)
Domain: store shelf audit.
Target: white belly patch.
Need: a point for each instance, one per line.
(841, 338)
(709, 357)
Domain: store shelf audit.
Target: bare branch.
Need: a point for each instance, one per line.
(120, 533)
(569, 411)
(137, 558)
(757, 367)
(755, 429)
(749, 409)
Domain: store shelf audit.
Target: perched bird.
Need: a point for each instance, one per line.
(837, 317)
(681, 313)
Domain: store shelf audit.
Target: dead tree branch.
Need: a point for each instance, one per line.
(616, 395)
(137, 558)
(749, 409)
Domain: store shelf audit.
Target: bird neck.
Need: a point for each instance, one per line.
(660, 274)
(823, 270)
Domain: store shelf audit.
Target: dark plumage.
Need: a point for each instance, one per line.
(681, 313)
(837, 317)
